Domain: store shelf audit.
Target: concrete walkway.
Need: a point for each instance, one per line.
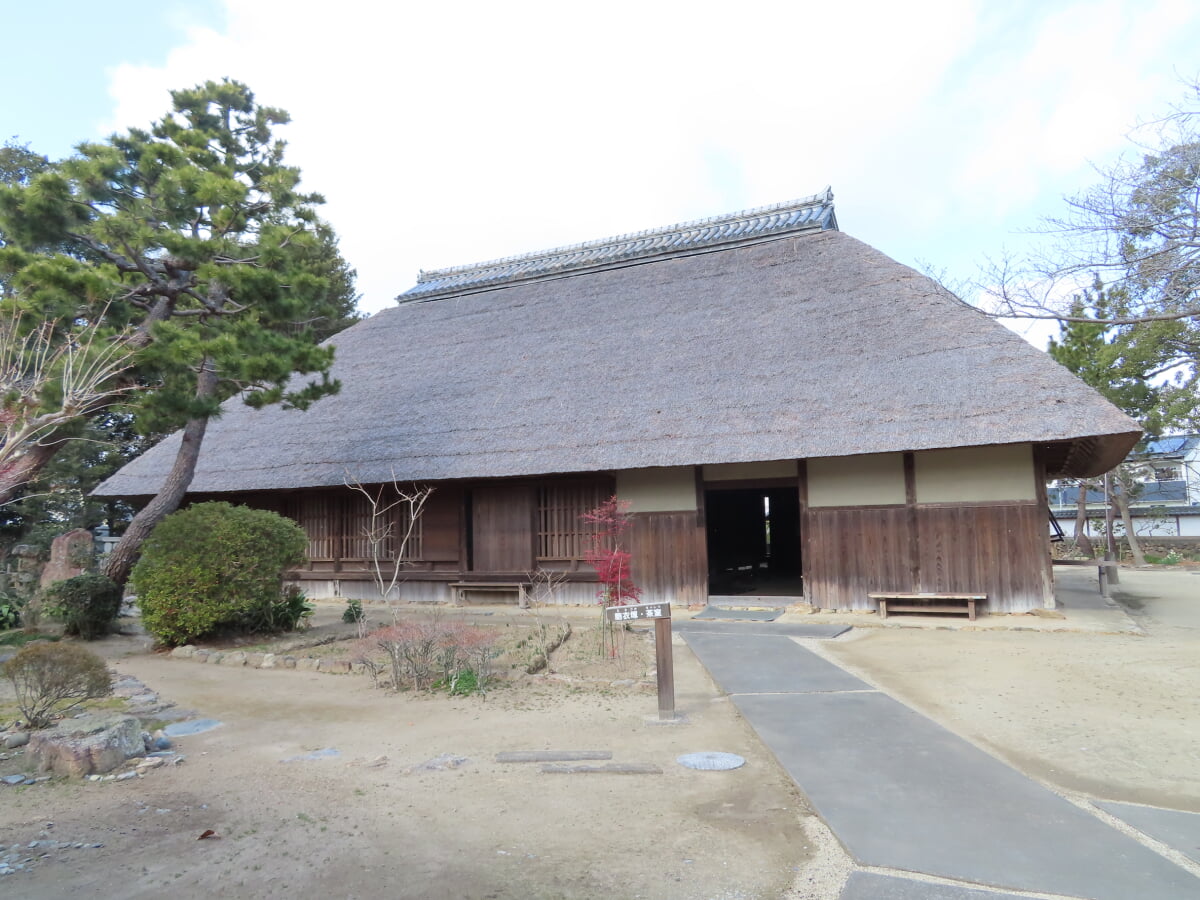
(902, 793)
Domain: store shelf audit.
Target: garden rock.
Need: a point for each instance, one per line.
(92, 744)
(16, 739)
(268, 661)
(187, 651)
(70, 555)
(236, 658)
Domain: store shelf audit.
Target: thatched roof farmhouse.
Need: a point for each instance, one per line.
(717, 374)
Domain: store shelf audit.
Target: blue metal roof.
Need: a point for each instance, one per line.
(1170, 445)
(808, 214)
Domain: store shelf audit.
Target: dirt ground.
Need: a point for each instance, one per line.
(371, 822)
(1108, 716)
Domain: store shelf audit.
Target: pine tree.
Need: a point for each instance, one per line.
(1110, 359)
(193, 243)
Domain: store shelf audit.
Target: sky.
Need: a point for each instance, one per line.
(451, 133)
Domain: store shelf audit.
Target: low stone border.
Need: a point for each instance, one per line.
(268, 660)
(240, 658)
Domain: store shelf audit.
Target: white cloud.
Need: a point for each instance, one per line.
(444, 134)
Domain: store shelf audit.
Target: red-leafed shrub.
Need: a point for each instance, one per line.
(612, 562)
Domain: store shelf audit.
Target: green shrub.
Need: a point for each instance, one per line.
(289, 611)
(87, 604)
(1171, 559)
(353, 613)
(10, 611)
(215, 566)
(52, 679)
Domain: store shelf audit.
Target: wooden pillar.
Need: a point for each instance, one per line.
(914, 536)
(805, 529)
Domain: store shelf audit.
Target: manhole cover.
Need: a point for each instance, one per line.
(711, 762)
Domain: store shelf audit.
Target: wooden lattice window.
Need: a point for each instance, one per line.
(358, 529)
(320, 517)
(562, 532)
(369, 531)
(405, 525)
(340, 528)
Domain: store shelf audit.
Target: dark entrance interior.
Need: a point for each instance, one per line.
(753, 541)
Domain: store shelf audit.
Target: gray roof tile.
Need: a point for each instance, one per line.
(732, 229)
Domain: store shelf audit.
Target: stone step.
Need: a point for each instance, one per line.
(752, 601)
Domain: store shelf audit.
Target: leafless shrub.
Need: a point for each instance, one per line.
(52, 679)
(420, 651)
(392, 523)
(365, 652)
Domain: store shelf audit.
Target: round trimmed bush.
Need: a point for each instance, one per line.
(87, 604)
(214, 566)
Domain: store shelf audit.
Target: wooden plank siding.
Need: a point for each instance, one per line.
(502, 525)
(669, 557)
(995, 549)
(440, 524)
(851, 551)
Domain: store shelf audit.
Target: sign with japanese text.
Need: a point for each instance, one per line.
(638, 611)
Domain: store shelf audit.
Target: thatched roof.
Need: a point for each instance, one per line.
(742, 345)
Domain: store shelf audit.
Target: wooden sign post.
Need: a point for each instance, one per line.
(661, 614)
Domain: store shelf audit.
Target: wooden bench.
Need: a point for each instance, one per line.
(520, 587)
(927, 602)
(1104, 572)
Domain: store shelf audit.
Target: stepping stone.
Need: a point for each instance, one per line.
(743, 615)
(607, 769)
(524, 756)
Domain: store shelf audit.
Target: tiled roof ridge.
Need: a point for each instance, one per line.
(804, 214)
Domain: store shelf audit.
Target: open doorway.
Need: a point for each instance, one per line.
(753, 542)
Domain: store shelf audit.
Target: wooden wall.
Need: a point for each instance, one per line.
(441, 525)
(669, 560)
(851, 551)
(997, 548)
(503, 517)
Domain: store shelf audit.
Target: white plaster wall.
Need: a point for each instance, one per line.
(668, 489)
(779, 468)
(1144, 526)
(367, 591)
(875, 479)
(976, 474)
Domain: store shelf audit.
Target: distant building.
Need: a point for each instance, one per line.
(1166, 502)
